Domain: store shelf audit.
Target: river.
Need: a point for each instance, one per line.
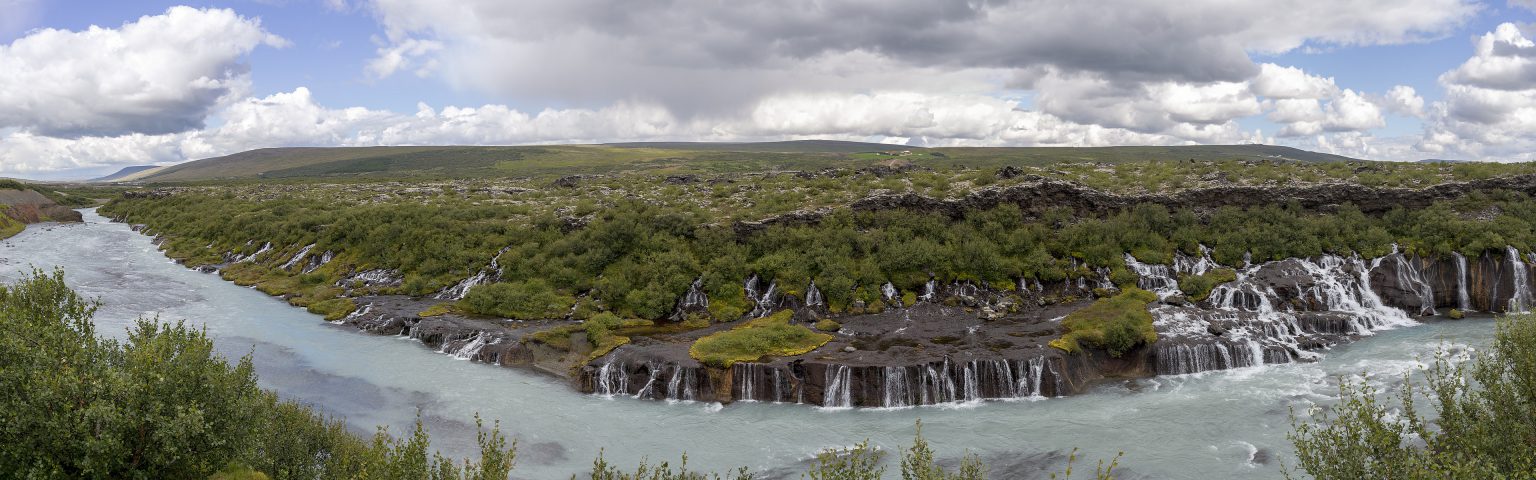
(1230, 424)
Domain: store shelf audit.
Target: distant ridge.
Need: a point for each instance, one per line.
(666, 157)
(124, 173)
(790, 146)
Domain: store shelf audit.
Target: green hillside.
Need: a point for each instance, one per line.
(668, 158)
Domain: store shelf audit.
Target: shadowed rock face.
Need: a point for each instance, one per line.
(1039, 194)
(29, 206)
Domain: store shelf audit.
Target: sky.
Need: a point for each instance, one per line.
(88, 87)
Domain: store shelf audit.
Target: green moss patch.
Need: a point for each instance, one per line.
(755, 339)
(1115, 324)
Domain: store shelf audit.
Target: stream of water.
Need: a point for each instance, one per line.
(1229, 424)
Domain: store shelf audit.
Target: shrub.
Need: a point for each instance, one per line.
(1116, 324)
(530, 300)
(755, 339)
(1481, 426)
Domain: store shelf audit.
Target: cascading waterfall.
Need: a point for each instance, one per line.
(930, 291)
(889, 291)
(1463, 301)
(470, 350)
(813, 296)
(612, 379)
(1249, 323)
(324, 259)
(1409, 276)
(762, 304)
(694, 299)
(303, 252)
(252, 257)
(1157, 279)
(490, 274)
(839, 391)
(683, 384)
(1519, 300)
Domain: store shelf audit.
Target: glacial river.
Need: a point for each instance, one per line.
(1216, 425)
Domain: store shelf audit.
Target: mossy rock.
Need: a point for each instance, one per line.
(828, 325)
(1455, 314)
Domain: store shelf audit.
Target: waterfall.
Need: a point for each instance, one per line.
(1412, 279)
(895, 391)
(469, 350)
(1249, 323)
(762, 304)
(324, 259)
(1463, 301)
(648, 391)
(1157, 279)
(889, 291)
(813, 296)
(1519, 300)
(693, 299)
(839, 391)
(252, 257)
(683, 384)
(490, 274)
(612, 379)
(303, 252)
(929, 291)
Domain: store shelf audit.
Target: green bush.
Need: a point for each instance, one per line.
(1115, 324)
(530, 300)
(1481, 421)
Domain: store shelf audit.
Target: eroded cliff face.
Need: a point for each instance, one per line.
(28, 206)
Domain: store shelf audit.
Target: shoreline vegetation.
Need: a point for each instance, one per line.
(162, 404)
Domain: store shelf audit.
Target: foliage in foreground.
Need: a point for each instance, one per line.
(1483, 422)
(752, 340)
(1116, 324)
(162, 404)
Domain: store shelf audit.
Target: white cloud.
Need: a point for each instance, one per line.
(1404, 100)
(1275, 81)
(1489, 109)
(597, 52)
(159, 74)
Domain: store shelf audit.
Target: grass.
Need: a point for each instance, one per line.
(9, 227)
(1115, 324)
(755, 339)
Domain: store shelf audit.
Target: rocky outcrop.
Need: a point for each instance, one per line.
(1038, 194)
(28, 206)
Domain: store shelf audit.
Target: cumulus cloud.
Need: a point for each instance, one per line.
(159, 74)
(1275, 81)
(296, 119)
(1489, 109)
(1404, 100)
(596, 52)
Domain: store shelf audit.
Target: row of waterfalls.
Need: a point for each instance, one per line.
(834, 385)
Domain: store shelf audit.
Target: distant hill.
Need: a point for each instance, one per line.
(124, 173)
(792, 146)
(665, 157)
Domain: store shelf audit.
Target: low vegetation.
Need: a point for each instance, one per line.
(754, 339)
(1473, 419)
(9, 227)
(1116, 324)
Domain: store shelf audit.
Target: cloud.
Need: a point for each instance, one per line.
(596, 52)
(159, 74)
(1275, 81)
(295, 119)
(1403, 100)
(1489, 109)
